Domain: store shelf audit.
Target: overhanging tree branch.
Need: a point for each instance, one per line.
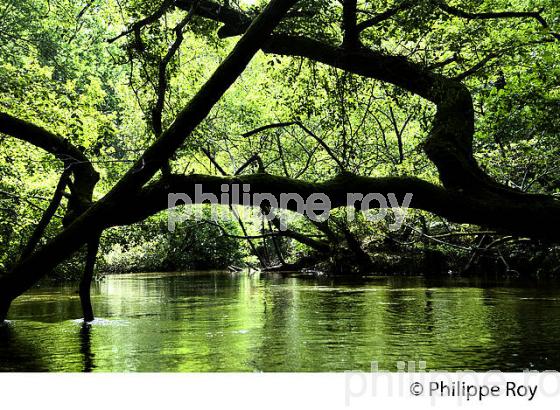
(455, 11)
(85, 176)
(31, 269)
(510, 217)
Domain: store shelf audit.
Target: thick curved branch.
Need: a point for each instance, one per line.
(449, 145)
(537, 220)
(40, 137)
(85, 176)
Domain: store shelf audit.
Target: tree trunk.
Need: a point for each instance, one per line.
(4, 307)
(85, 283)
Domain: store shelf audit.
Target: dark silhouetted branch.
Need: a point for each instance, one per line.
(386, 15)
(214, 162)
(267, 127)
(306, 130)
(47, 215)
(351, 33)
(497, 15)
(157, 110)
(152, 18)
(254, 158)
(85, 176)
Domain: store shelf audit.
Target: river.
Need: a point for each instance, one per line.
(217, 321)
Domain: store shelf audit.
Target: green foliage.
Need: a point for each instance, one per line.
(58, 70)
(149, 246)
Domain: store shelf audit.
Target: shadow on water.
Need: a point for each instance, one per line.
(18, 354)
(85, 347)
(429, 310)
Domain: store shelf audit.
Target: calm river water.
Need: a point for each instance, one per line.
(215, 321)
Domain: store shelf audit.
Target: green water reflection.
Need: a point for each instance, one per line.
(219, 322)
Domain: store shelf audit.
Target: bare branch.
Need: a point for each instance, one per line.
(267, 127)
(444, 63)
(387, 14)
(152, 18)
(253, 158)
(497, 15)
(157, 111)
(306, 130)
(476, 67)
(47, 215)
(213, 161)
